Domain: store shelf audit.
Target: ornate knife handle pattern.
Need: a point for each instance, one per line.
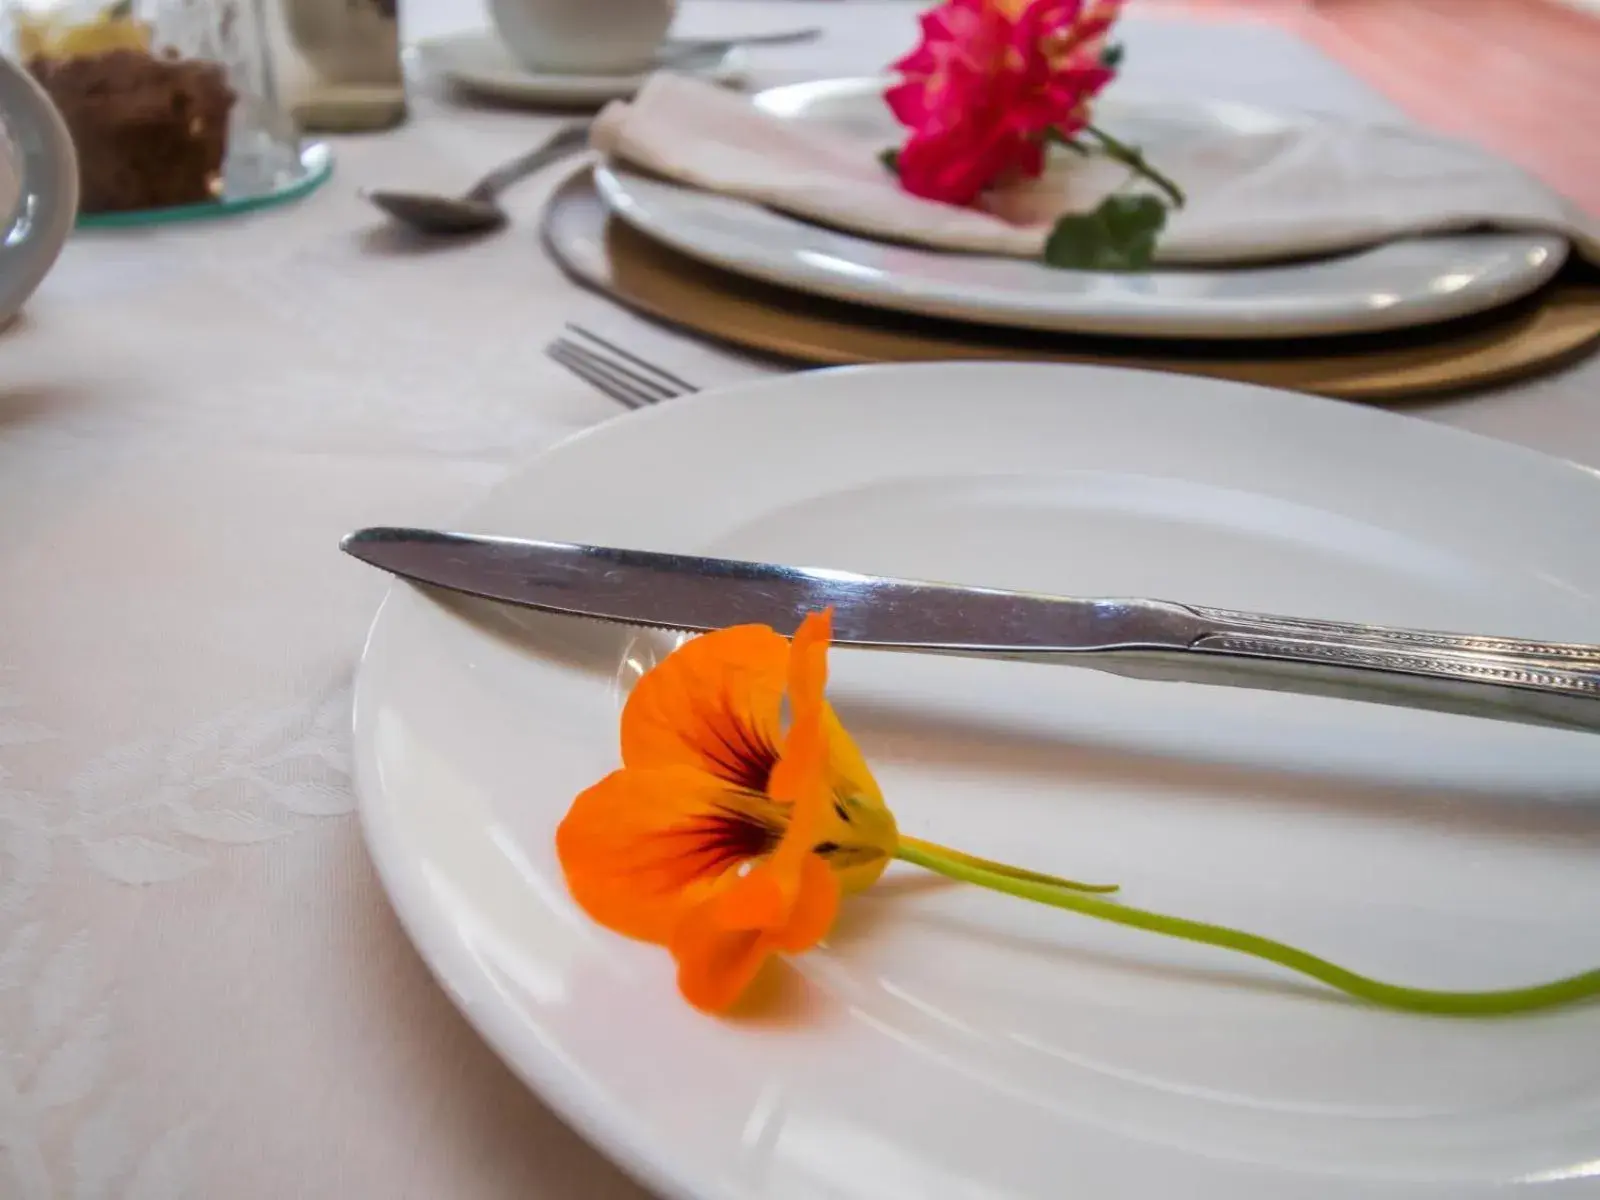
(1422, 642)
(1547, 682)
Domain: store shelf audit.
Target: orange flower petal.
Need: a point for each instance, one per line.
(760, 899)
(715, 965)
(848, 768)
(848, 820)
(641, 847)
(788, 901)
(707, 840)
(721, 943)
(808, 660)
(801, 775)
(807, 686)
(816, 903)
(713, 704)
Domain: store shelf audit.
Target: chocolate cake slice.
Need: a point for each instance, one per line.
(150, 130)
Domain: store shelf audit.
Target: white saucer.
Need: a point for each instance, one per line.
(478, 63)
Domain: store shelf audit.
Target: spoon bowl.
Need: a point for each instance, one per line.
(430, 213)
(478, 210)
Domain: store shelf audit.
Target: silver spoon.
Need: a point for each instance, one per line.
(477, 209)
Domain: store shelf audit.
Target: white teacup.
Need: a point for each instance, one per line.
(38, 186)
(583, 37)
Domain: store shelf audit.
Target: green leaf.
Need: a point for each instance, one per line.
(1120, 235)
(1111, 56)
(890, 159)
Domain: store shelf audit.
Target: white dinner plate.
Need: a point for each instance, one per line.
(478, 62)
(951, 1043)
(1395, 285)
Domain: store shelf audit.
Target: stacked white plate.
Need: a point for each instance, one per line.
(1396, 285)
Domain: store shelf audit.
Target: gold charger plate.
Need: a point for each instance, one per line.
(1556, 325)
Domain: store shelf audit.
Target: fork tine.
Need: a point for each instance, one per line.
(681, 387)
(558, 355)
(650, 389)
(620, 391)
(561, 353)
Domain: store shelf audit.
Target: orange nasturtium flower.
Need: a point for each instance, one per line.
(726, 836)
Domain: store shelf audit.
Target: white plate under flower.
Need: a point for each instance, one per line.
(1396, 285)
(947, 1042)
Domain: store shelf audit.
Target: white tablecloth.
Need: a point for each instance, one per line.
(203, 992)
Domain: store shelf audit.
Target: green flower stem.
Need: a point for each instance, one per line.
(1133, 158)
(1480, 1004)
(933, 850)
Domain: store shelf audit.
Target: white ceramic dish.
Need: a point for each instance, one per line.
(589, 37)
(38, 187)
(477, 62)
(951, 1043)
(1392, 286)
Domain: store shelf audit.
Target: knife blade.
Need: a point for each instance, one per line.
(1506, 678)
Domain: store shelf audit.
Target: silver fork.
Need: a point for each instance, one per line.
(631, 381)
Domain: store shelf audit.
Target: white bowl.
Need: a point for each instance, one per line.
(38, 187)
(583, 37)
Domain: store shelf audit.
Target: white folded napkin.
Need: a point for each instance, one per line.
(1313, 188)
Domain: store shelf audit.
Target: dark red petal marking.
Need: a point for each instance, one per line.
(742, 756)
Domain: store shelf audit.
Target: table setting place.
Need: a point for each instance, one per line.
(780, 599)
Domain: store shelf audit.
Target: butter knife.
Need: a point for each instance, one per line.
(1504, 678)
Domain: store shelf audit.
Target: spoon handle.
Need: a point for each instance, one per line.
(566, 140)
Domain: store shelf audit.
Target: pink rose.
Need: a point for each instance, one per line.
(988, 83)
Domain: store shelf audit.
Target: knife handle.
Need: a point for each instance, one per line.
(1532, 654)
(1542, 683)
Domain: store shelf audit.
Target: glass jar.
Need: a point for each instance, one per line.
(172, 104)
(342, 69)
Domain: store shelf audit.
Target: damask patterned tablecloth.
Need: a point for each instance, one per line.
(203, 992)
